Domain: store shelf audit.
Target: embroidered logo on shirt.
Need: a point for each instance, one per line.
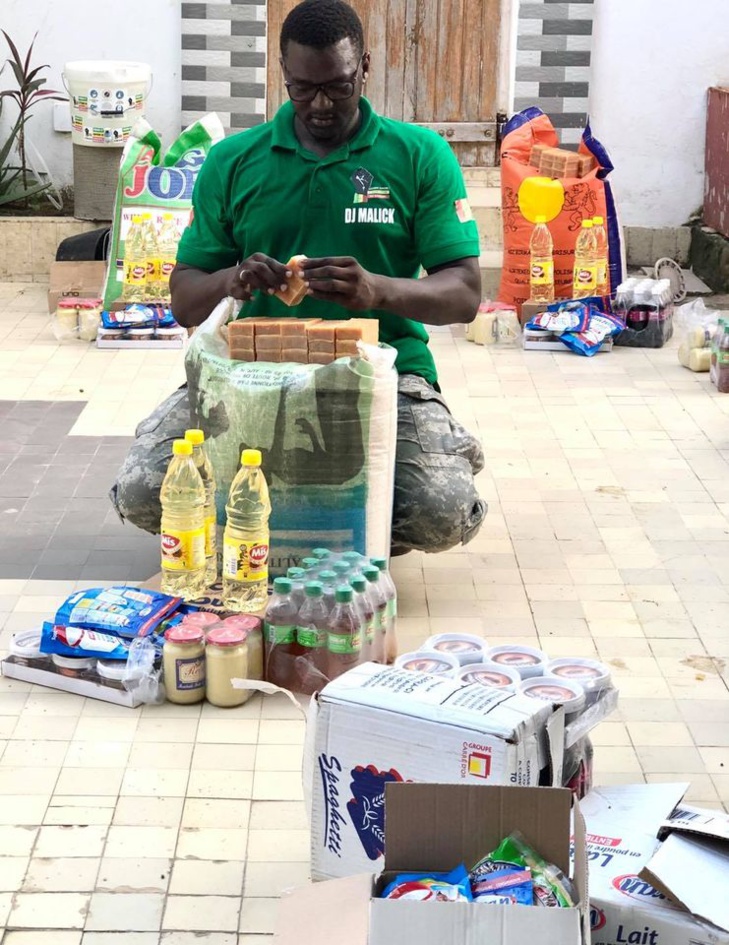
(463, 210)
(363, 189)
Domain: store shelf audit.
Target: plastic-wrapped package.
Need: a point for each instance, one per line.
(76, 319)
(646, 308)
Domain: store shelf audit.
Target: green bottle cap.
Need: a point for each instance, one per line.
(380, 563)
(343, 594)
(294, 574)
(321, 553)
(352, 556)
(327, 577)
(371, 573)
(314, 589)
(359, 584)
(342, 567)
(310, 563)
(282, 586)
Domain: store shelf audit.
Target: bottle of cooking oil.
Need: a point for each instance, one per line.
(151, 255)
(135, 263)
(183, 525)
(205, 468)
(541, 264)
(585, 273)
(245, 543)
(601, 255)
(167, 241)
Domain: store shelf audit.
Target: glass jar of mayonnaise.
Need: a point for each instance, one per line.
(227, 659)
(183, 660)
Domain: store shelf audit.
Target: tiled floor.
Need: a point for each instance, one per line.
(608, 535)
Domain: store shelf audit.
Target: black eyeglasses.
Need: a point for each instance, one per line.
(335, 91)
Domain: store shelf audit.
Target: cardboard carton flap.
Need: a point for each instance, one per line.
(695, 874)
(438, 826)
(330, 913)
(712, 824)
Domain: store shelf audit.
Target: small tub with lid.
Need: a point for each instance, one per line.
(25, 650)
(428, 661)
(526, 660)
(253, 630)
(592, 675)
(112, 673)
(183, 661)
(74, 667)
(226, 657)
(564, 692)
(466, 647)
(490, 675)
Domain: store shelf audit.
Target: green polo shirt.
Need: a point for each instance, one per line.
(392, 196)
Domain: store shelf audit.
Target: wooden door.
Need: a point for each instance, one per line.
(434, 62)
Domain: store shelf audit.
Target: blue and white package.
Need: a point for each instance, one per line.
(79, 641)
(572, 315)
(126, 611)
(139, 316)
(589, 341)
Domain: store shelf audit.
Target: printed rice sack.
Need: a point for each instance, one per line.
(150, 183)
(565, 202)
(327, 434)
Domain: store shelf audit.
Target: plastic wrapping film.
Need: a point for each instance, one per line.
(327, 434)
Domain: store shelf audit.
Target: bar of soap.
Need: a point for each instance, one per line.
(320, 357)
(323, 331)
(242, 354)
(269, 326)
(347, 349)
(359, 329)
(321, 347)
(297, 327)
(296, 355)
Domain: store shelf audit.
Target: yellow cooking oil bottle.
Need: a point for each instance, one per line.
(205, 468)
(134, 287)
(183, 525)
(245, 543)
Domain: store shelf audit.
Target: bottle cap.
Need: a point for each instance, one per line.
(587, 224)
(282, 586)
(380, 563)
(352, 556)
(358, 583)
(372, 573)
(226, 636)
(245, 622)
(343, 594)
(540, 219)
(294, 574)
(196, 437)
(184, 634)
(314, 589)
(321, 553)
(182, 448)
(250, 458)
(598, 221)
(310, 563)
(137, 218)
(326, 577)
(342, 567)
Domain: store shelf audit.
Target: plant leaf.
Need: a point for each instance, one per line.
(30, 50)
(13, 49)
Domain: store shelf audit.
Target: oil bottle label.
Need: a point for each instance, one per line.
(135, 274)
(310, 637)
(190, 673)
(601, 275)
(166, 267)
(276, 635)
(344, 642)
(245, 561)
(585, 278)
(183, 550)
(153, 269)
(210, 535)
(542, 273)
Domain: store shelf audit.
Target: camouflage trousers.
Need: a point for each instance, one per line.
(436, 504)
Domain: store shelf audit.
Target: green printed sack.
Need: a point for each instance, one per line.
(150, 183)
(327, 434)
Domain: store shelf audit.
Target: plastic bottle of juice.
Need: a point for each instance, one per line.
(298, 578)
(205, 468)
(602, 286)
(541, 266)
(311, 637)
(585, 272)
(167, 241)
(245, 543)
(718, 335)
(388, 585)
(722, 362)
(329, 583)
(366, 611)
(279, 635)
(321, 553)
(134, 287)
(312, 566)
(342, 569)
(151, 257)
(344, 641)
(355, 559)
(379, 604)
(182, 496)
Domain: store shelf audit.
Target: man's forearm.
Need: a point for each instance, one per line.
(195, 294)
(445, 297)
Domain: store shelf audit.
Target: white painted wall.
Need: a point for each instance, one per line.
(94, 29)
(652, 62)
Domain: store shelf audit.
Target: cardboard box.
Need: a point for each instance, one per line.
(75, 280)
(623, 824)
(377, 725)
(435, 827)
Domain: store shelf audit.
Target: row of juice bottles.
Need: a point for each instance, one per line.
(189, 553)
(590, 275)
(719, 361)
(328, 616)
(150, 254)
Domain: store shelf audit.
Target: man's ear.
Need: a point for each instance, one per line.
(366, 59)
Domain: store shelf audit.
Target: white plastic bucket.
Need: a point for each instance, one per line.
(106, 99)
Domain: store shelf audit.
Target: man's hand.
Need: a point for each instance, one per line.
(257, 272)
(341, 279)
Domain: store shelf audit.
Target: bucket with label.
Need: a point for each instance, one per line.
(106, 99)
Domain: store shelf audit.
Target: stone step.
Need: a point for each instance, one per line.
(484, 195)
(482, 176)
(490, 262)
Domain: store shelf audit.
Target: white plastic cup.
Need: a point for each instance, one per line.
(558, 691)
(526, 660)
(490, 675)
(466, 647)
(592, 675)
(428, 661)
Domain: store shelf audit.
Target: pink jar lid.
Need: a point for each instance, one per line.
(227, 636)
(244, 622)
(200, 618)
(182, 634)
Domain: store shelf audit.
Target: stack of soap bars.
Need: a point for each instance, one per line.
(298, 340)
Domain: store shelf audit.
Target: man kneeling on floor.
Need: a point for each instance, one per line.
(297, 184)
